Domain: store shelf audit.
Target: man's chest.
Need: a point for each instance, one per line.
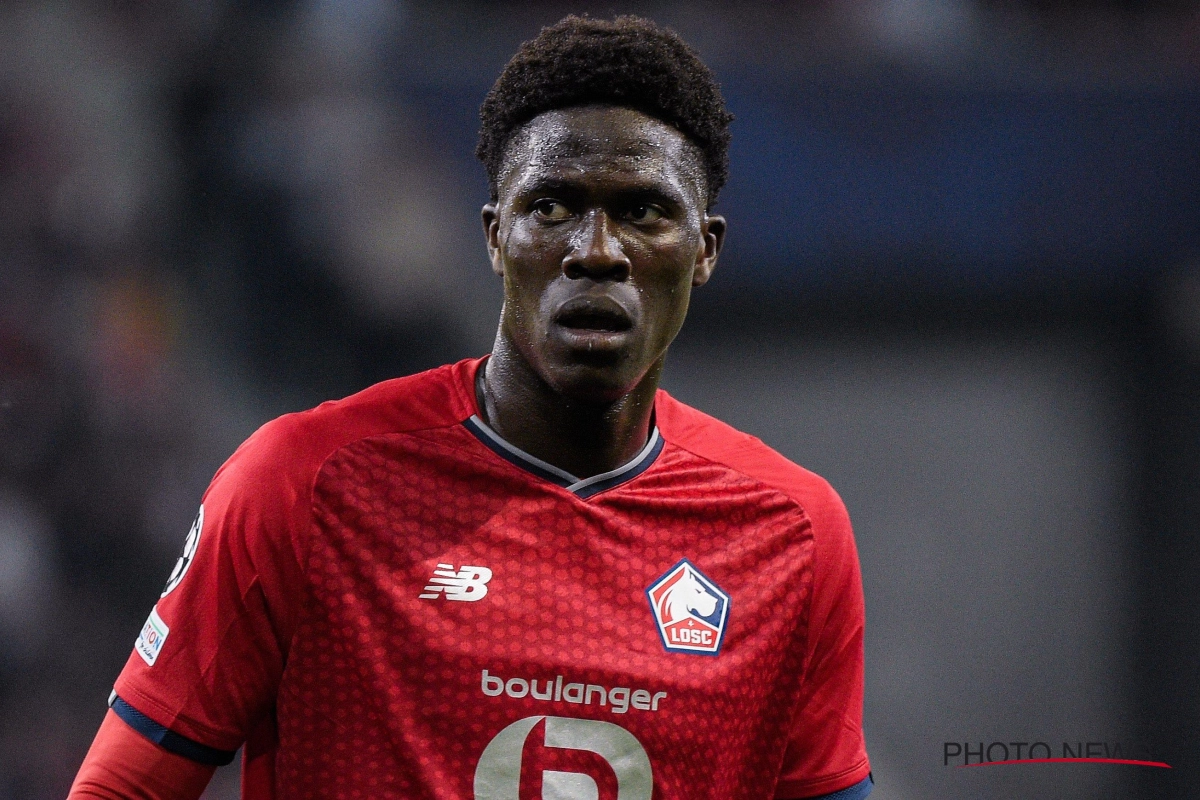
(465, 601)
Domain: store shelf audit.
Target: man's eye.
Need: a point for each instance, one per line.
(551, 210)
(644, 213)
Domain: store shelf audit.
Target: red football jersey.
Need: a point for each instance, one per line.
(382, 598)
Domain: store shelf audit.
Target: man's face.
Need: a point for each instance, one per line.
(599, 233)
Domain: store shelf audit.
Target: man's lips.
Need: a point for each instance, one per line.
(593, 314)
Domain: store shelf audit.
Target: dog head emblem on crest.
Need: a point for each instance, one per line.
(689, 610)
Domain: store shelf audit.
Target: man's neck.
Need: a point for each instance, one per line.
(585, 439)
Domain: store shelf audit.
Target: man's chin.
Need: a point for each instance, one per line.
(592, 379)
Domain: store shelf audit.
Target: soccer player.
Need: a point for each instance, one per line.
(533, 574)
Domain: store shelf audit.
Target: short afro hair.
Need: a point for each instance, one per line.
(629, 62)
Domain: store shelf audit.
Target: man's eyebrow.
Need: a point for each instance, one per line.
(566, 187)
(552, 185)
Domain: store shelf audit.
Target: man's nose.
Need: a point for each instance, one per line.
(596, 251)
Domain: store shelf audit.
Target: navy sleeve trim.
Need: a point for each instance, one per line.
(167, 739)
(856, 792)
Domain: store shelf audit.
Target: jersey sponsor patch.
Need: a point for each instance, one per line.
(618, 698)
(689, 609)
(467, 584)
(189, 553)
(150, 641)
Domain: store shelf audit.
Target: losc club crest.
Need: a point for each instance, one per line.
(690, 610)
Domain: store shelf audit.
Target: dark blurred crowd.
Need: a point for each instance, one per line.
(198, 205)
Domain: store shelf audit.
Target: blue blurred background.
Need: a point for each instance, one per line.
(962, 282)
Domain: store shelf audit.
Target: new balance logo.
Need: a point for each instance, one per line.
(468, 583)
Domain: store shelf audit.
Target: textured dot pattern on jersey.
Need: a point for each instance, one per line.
(443, 623)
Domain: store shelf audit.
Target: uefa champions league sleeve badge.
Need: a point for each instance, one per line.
(189, 553)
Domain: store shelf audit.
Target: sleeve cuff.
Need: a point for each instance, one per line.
(856, 792)
(167, 739)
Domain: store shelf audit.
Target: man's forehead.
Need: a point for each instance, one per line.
(620, 131)
(620, 140)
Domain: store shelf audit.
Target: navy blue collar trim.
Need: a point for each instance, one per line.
(582, 488)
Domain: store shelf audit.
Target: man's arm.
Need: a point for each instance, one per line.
(827, 750)
(205, 669)
(122, 764)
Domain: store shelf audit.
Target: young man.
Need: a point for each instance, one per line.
(535, 574)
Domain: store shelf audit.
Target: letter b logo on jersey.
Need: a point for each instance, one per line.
(498, 774)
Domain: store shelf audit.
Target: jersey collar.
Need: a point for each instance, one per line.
(580, 487)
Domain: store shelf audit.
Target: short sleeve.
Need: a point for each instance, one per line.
(826, 751)
(207, 663)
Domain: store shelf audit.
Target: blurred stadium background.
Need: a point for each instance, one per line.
(962, 282)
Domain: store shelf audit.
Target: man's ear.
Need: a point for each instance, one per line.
(712, 237)
(491, 235)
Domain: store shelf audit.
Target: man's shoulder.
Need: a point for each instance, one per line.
(718, 442)
(431, 399)
(299, 442)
